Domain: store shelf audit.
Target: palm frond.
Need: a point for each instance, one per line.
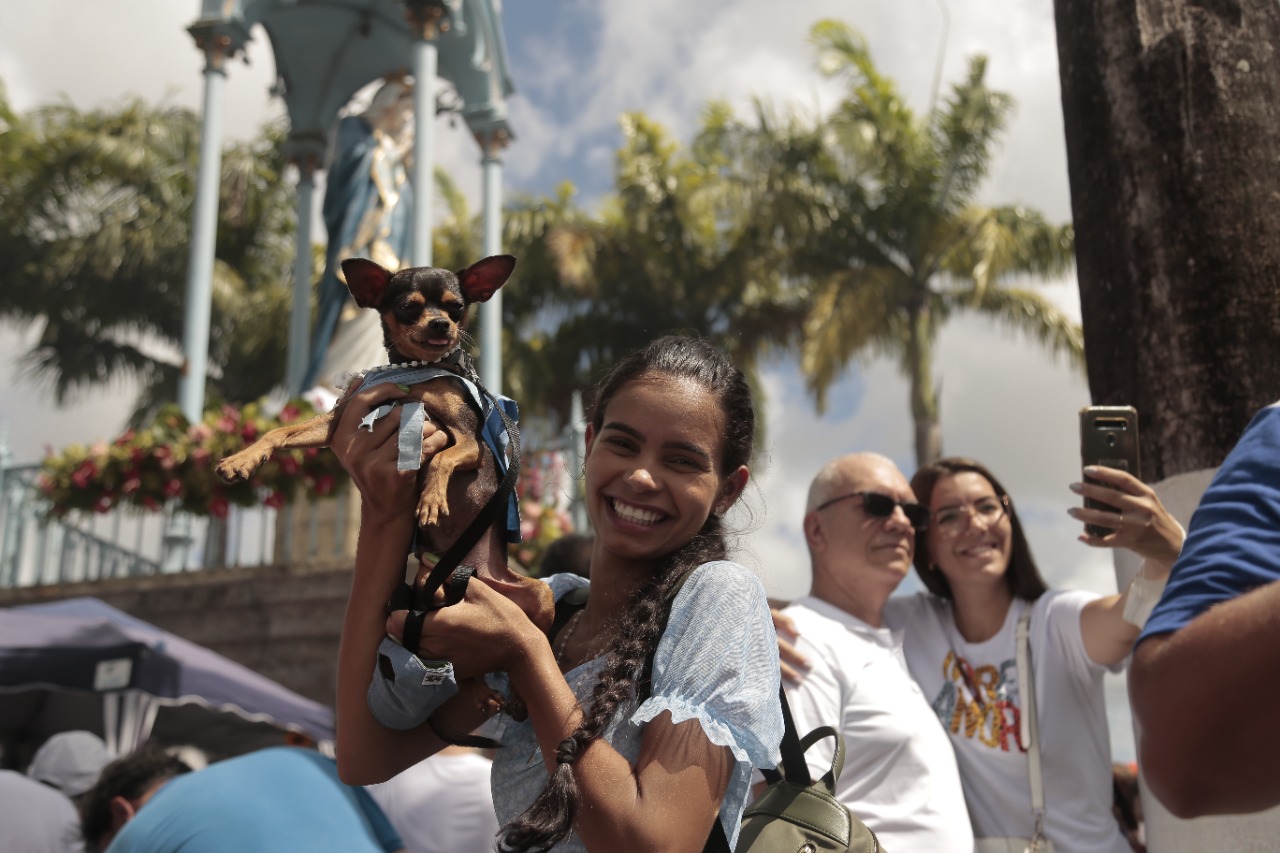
(1026, 312)
(106, 197)
(987, 245)
(71, 359)
(964, 134)
(850, 320)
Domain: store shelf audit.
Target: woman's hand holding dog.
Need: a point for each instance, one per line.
(485, 632)
(369, 453)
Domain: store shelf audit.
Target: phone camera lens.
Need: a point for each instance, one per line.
(1111, 441)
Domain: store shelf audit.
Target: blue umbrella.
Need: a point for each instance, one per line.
(81, 663)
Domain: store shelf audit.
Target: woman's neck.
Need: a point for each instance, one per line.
(614, 583)
(980, 611)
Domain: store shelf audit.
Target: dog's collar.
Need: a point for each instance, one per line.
(452, 358)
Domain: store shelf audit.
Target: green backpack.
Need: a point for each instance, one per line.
(796, 814)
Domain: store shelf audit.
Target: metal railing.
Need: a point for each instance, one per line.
(37, 548)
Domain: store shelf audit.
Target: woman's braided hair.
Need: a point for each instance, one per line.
(550, 817)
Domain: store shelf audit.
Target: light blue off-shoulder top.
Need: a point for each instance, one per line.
(717, 663)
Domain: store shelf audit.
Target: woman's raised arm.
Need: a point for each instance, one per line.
(367, 751)
(1140, 523)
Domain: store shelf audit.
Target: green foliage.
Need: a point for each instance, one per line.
(95, 222)
(845, 236)
(676, 248)
(171, 460)
(904, 243)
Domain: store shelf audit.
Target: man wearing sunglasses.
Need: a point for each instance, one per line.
(900, 775)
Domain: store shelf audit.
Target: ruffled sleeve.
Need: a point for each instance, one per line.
(717, 662)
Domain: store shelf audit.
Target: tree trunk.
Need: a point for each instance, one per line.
(1172, 112)
(924, 396)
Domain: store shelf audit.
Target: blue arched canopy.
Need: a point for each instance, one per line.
(326, 51)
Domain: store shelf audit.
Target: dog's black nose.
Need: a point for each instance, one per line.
(439, 326)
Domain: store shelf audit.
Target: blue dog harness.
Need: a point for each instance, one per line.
(405, 689)
(413, 418)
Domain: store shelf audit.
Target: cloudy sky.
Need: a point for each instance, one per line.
(578, 64)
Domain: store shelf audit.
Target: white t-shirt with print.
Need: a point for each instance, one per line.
(900, 777)
(1075, 746)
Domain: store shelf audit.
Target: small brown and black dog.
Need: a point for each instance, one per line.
(424, 314)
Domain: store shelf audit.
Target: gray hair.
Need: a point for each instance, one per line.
(833, 475)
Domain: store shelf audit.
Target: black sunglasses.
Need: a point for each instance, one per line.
(877, 505)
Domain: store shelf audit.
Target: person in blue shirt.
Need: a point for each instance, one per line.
(1203, 680)
(601, 762)
(279, 799)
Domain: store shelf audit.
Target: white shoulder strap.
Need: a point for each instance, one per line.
(1030, 733)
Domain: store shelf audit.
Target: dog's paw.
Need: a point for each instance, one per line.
(431, 507)
(240, 466)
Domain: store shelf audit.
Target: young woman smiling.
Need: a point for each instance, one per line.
(960, 643)
(668, 448)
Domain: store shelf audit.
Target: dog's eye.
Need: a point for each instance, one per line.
(455, 312)
(409, 310)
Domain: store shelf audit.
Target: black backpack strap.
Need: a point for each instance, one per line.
(448, 571)
(485, 519)
(567, 605)
(794, 767)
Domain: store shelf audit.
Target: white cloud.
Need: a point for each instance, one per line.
(96, 54)
(536, 132)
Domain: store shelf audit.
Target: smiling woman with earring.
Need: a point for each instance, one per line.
(1014, 670)
(647, 707)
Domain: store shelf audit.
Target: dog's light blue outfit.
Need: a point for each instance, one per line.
(412, 417)
(418, 687)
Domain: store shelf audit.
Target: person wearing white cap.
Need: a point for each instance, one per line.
(70, 762)
(37, 814)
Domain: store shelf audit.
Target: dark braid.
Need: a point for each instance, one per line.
(550, 817)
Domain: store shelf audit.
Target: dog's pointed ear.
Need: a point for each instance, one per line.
(483, 278)
(366, 280)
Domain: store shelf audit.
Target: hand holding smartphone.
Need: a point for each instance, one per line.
(1109, 437)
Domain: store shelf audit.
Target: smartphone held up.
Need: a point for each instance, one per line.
(1108, 437)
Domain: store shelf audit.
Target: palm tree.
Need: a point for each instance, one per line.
(538, 296)
(97, 228)
(676, 248)
(14, 143)
(904, 245)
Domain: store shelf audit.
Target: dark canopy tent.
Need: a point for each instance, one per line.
(83, 664)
